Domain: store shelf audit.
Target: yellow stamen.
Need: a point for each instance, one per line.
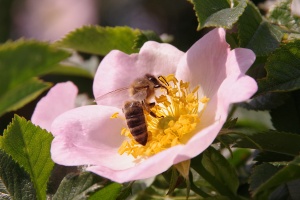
(115, 115)
(181, 110)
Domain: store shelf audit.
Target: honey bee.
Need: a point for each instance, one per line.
(140, 91)
(136, 122)
(143, 89)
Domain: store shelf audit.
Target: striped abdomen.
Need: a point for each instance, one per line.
(136, 122)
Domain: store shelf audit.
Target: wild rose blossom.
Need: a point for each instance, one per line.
(202, 83)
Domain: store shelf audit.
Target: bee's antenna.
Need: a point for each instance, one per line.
(164, 81)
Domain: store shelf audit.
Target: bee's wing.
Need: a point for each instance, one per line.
(114, 98)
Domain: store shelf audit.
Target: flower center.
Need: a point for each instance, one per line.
(179, 112)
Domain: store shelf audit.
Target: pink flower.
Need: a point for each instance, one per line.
(88, 136)
(59, 99)
(50, 20)
(295, 7)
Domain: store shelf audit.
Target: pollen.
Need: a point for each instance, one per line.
(179, 110)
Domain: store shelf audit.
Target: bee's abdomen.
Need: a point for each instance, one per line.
(139, 133)
(136, 122)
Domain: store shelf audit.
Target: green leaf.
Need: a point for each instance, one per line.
(232, 40)
(265, 171)
(125, 192)
(291, 112)
(72, 71)
(281, 15)
(261, 173)
(239, 157)
(4, 194)
(267, 156)
(288, 173)
(195, 189)
(109, 192)
(274, 141)
(22, 94)
(257, 70)
(282, 67)
(29, 146)
(266, 101)
(173, 178)
(217, 13)
(5, 19)
(151, 193)
(266, 39)
(230, 123)
(256, 34)
(216, 170)
(101, 40)
(20, 62)
(293, 189)
(77, 186)
(16, 182)
(281, 192)
(217, 198)
(248, 24)
(145, 36)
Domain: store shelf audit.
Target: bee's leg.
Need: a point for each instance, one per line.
(147, 107)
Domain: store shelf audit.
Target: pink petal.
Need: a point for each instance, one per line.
(241, 89)
(59, 99)
(150, 167)
(233, 89)
(236, 87)
(205, 60)
(210, 127)
(86, 135)
(118, 70)
(225, 83)
(295, 7)
(209, 61)
(142, 170)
